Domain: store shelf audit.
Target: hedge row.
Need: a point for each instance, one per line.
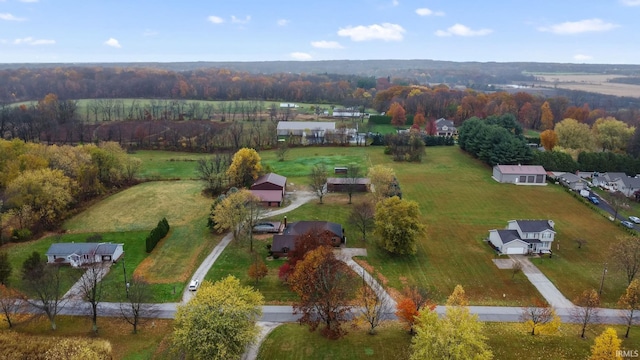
(160, 231)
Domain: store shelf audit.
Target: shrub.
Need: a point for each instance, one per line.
(19, 235)
(159, 232)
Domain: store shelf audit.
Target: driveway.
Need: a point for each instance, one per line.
(299, 199)
(546, 288)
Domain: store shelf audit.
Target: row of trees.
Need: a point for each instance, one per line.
(606, 134)
(531, 111)
(495, 140)
(39, 184)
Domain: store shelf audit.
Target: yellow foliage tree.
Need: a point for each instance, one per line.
(245, 167)
(233, 214)
(630, 302)
(457, 335)
(548, 139)
(381, 178)
(606, 346)
(612, 134)
(219, 322)
(546, 116)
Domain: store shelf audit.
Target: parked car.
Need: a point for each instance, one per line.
(635, 219)
(265, 228)
(193, 286)
(594, 200)
(627, 224)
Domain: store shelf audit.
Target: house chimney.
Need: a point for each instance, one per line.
(285, 221)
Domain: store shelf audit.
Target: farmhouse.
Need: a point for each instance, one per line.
(285, 242)
(520, 174)
(445, 127)
(270, 189)
(524, 237)
(79, 254)
(342, 184)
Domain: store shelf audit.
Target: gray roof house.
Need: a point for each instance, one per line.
(572, 181)
(520, 174)
(285, 242)
(445, 127)
(78, 254)
(627, 185)
(524, 237)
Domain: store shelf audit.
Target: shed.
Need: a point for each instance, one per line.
(270, 188)
(520, 174)
(342, 184)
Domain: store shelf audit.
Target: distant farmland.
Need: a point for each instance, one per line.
(596, 83)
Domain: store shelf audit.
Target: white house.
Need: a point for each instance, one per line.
(572, 181)
(524, 236)
(78, 254)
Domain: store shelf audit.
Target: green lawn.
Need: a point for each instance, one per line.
(507, 341)
(168, 165)
(236, 259)
(299, 161)
(386, 128)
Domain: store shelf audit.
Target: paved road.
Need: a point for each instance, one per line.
(546, 288)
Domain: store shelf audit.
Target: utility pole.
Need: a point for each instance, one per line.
(126, 283)
(604, 271)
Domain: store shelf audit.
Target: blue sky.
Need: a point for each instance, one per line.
(566, 31)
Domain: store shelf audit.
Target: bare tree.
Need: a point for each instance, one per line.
(282, 150)
(213, 171)
(43, 282)
(11, 303)
(586, 310)
(255, 212)
(353, 176)
(373, 307)
(626, 256)
(135, 308)
(318, 179)
(362, 217)
(618, 201)
(537, 316)
(516, 268)
(90, 288)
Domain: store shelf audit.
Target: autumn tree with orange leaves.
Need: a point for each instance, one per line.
(398, 114)
(413, 300)
(546, 116)
(548, 139)
(325, 286)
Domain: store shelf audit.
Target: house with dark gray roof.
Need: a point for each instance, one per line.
(524, 237)
(572, 181)
(445, 127)
(286, 241)
(79, 254)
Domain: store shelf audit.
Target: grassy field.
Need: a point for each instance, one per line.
(134, 212)
(299, 161)
(596, 83)
(148, 343)
(460, 203)
(508, 341)
(168, 165)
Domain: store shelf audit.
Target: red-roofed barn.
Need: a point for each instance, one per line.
(270, 189)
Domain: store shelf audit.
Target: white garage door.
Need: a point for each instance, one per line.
(516, 250)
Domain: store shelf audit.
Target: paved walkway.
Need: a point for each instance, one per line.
(546, 288)
(78, 289)
(265, 329)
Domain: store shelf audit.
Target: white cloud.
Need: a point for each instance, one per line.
(323, 44)
(31, 41)
(113, 43)
(582, 57)
(395, 3)
(630, 2)
(428, 12)
(300, 56)
(386, 32)
(10, 17)
(215, 19)
(235, 20)
(283, 22)
(461, 30)
(577, 27)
